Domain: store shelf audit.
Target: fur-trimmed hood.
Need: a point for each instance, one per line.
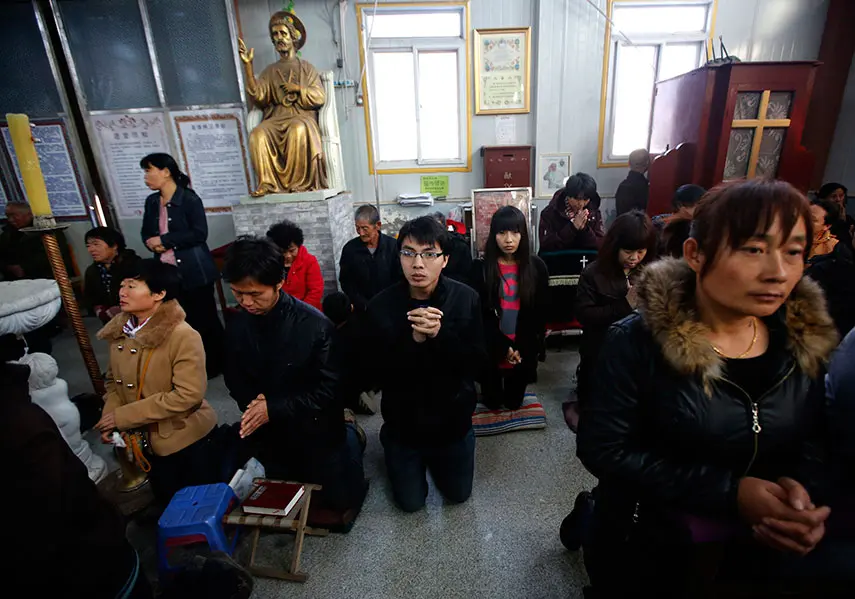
(157, 330)
(667, 305)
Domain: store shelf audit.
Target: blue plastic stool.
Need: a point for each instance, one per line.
(195, 515)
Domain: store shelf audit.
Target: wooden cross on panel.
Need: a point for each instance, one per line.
(758, 124)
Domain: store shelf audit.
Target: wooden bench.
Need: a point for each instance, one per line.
(294, 522)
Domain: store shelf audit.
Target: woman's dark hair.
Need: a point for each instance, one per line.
(509, 218)
(732, 213)
(630, 231)
(580, 185)
(157, 275)
(165, 161)
(256, 258)
(108, 235)
(675, 234)
(829, 188)
(687, 195)
(426, 230)
(284, 234)
(832, 212)
(337, 307)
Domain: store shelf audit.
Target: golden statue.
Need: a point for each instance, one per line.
(286, 146)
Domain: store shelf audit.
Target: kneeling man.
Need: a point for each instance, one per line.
(427, 350)
(279, 370)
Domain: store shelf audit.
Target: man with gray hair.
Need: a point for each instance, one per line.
(369, 263)
(633, 192)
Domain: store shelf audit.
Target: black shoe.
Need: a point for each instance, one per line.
(574, 528)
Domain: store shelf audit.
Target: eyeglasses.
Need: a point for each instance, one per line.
(426, 256)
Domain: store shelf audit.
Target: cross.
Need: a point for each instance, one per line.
(584, 261)
(758, 124)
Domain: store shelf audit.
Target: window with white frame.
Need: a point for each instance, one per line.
(416, 86)
(649, 42)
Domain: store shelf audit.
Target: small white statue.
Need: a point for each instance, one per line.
(51, 394)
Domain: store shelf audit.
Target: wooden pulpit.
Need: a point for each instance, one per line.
(730, 121)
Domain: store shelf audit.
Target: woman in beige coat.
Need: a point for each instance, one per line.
(156, 381)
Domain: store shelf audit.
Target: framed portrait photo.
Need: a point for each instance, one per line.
(552, 172)
(503, 71)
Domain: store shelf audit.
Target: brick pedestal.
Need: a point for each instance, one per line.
(327, 224)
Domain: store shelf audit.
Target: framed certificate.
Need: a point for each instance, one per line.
(503, 71)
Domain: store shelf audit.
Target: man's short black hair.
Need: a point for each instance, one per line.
(427, 231)
(367, 212)
(157, 275)
(256, 258)
(832, 212)
(284, 234)
(108, 235)
(337, 307)
(687, 195)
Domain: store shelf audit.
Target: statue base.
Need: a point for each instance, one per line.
(326, 220)
(303, 196)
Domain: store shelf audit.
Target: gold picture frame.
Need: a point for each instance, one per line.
(503, 70)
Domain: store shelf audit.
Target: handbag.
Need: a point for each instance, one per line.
(137, 440)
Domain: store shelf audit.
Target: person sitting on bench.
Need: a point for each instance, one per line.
(428, 348)
(279, 369)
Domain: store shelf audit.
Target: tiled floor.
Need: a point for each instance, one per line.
(503, 542)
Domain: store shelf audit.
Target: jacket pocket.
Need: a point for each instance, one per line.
(165, 428)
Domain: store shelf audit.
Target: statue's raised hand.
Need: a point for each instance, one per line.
(245, 55)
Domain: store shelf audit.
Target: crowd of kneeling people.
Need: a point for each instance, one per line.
(714, 400)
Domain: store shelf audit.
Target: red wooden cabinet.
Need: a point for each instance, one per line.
(507, 166)
(730, 121)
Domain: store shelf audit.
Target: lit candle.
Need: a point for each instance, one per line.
(28, 164)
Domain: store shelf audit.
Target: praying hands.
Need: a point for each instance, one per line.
(426, 323)
(254, 416)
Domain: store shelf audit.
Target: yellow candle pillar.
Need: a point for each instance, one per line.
(28, 163)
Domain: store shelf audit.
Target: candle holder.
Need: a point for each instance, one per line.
(46, 226)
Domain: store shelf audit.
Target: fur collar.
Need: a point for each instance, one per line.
(154, 333)
(666, 303)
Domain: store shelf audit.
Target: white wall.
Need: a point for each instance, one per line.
(841, 159)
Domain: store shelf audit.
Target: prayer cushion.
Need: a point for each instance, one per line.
(530, 415)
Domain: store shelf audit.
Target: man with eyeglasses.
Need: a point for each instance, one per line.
(429, 347)
(369, 262)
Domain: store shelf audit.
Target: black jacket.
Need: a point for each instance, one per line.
(363, 275)
(25, 249)
(835, 273)
(557, 232)
(632, 193)
(285, 354)
(62, 519)
(600, 302)
(667, 428)
(188, 236)
(94, 289)
(840, 390)
(428, 388)
(459, 265)
(531, 321)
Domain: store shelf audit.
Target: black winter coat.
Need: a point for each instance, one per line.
(363, 275)
(285, 354)
(666, 428)
(531, 321)
(188, 236)
(63, 520)
(428, 388)
(600, 302)
(632, 193)
(459, 265)
(835, 273)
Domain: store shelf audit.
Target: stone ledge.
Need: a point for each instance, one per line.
(287, 198)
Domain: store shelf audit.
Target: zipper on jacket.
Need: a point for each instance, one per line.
(756, 427)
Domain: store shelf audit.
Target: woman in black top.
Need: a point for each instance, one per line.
(607, 289)
(174, 227)
(844, 226)
(706, 402)
(103, 277)
(513, 285)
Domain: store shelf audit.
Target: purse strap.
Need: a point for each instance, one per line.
(133, 440)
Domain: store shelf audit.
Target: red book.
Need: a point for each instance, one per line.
(272, 498)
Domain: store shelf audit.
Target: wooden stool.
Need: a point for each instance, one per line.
(295, 522)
